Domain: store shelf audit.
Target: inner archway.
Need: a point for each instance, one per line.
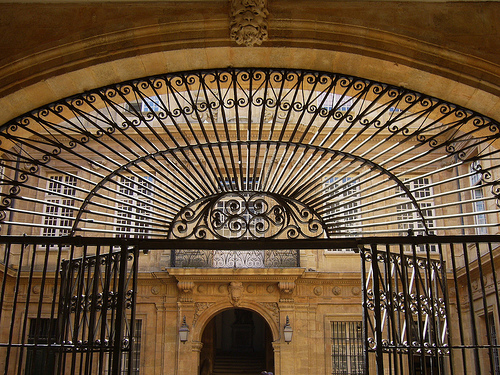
(236, 341)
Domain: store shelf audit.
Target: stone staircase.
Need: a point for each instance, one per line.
(249, 364)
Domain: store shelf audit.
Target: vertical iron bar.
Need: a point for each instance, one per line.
(390, 294)
(420, 342)
(6, 257)
(485, 307)
(63, 312)
(105, 305)
(495, 280)
(365, 317)
(14, 308)
(379, 354)
(471, 310)
(444, 289)
(40, 303)
(120, 312)
(78, 310)
(459, 308)
(53, 341)
(93, 312)
(26, 313)
(135, 268)
(432, 328)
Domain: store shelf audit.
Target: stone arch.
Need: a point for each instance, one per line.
(474, 93)
(212, 311)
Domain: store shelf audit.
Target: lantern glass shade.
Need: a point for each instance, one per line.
(287, 331)
(183, 331)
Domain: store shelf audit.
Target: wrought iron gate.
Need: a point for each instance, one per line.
(430, 306)
(74, 316)
(429, 303)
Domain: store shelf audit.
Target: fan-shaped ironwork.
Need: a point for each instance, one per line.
(184, 155)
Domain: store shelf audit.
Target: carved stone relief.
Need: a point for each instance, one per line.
(273, 309)
(235, 293)
(286, 290)
(199, 307)
(249, 22)
(186, 291)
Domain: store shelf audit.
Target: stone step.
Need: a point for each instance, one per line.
(239, 365)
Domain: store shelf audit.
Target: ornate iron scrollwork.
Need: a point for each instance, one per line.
(247, 215)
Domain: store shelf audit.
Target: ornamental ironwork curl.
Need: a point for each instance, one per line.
(247, 216)
(186, 130)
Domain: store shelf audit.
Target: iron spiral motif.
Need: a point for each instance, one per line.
(350, 152)
(247, 215)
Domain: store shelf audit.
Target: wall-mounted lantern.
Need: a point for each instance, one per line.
(183, 331)
(287, 331)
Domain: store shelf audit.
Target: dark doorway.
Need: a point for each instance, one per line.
(237, 341)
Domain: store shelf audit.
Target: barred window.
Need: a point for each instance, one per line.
(135, 207)
(347, 348)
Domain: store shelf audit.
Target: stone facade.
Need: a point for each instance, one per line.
(447, 50)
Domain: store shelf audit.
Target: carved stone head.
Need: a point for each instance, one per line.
(235, 292)
(249, 21)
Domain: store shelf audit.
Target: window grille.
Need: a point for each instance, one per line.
(347, 348)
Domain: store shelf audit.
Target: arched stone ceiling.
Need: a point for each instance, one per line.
(447, 50)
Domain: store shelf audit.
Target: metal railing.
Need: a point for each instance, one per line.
(430, 304)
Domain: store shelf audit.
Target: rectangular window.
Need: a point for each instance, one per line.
(343, 207)
(151, 104)
(408, 216)
(347, 348)
(135, 354)
(494, 343)
(40, 360)
(335, 101)
(135, 206)
(59, 205)
(478, 204)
